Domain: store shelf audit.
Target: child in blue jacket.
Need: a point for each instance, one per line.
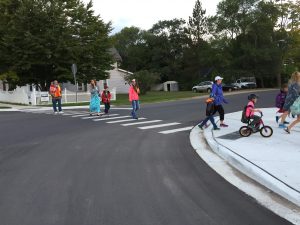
(210, 111)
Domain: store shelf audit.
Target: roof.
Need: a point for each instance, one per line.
(125, 71)
(115, 54)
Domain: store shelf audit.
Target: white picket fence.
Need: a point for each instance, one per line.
(21, 95)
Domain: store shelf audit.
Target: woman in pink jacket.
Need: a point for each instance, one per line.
(134, 92)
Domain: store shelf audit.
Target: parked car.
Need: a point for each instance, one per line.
(204, 86)
(245, 82)
(229, 87)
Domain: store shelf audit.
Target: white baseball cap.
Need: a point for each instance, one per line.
(133, 80)
(218, 78)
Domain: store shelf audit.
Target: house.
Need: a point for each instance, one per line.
(115, 81)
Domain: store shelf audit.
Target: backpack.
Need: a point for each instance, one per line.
(210, 108)
(244, 118)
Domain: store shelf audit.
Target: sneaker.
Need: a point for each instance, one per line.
(200, 127)
(287, 130)
(277, 118)
(61, 112)
(217, 128)
(286, 122)
(55, 113)
(206, 126)
(281, 125)
(223, 125)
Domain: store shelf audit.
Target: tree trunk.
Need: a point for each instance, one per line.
(278, 79)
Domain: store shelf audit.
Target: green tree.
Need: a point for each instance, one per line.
(145, 80)
(197, 25)
(130, 43)
(43, 38)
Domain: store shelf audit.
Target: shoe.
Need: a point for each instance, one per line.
(281, 125)
(223, 125)
(287, 130)
(61, 112)
(277, 119)
(200, 127)
(286, 122)
(55, 113)
(217, 128)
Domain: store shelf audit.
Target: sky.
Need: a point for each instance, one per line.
(145, 13)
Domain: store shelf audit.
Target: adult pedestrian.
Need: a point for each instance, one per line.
(55, 92)
(95, 99)
(292, 101)
(217, 94)
(134, 92)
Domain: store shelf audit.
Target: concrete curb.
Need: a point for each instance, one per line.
(226, 166)
(251, 170)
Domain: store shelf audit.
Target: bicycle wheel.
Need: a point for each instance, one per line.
(266, 131)
(245, 131)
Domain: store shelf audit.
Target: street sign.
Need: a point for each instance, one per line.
(74, 69)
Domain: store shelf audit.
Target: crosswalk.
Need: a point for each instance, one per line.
(123, 120)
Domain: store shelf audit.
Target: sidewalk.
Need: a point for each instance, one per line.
(274, 162)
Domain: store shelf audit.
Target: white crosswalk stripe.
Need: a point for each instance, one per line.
(175, 130)
(139, 123)
(80, 115)
(158, 126)
(93, 117)
(111, 118)
(122, 120)
(128, 120)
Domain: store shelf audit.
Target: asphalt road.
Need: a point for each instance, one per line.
(59, 170)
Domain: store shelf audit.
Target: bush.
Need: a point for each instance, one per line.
(145, 80)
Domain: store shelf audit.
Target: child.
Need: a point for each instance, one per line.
(251, 110)
(210, 108)
(106, 96)
(280, 99)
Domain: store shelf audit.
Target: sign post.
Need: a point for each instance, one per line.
(74, 71)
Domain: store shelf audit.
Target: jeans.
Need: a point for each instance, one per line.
(107, 107)
(255, 121)
(212, 120)
(135, 107)
(54, 101)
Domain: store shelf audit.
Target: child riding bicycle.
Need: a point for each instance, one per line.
(250, 110)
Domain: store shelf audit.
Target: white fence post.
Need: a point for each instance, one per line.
(65, 93)
(33, 96)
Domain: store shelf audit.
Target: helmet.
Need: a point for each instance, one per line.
(252, 96)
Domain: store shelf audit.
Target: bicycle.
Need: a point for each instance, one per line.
(265, 131)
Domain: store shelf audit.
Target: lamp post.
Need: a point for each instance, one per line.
(74, 71)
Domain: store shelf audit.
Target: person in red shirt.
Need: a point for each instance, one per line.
(106, 97)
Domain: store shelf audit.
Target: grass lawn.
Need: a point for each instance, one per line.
(157, 96)
(150, 97)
